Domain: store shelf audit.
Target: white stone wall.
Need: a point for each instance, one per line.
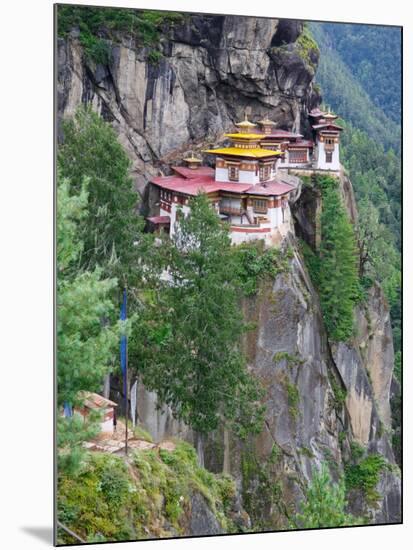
(172, 214)
(321, 158)
(279, 228)
(244, 176)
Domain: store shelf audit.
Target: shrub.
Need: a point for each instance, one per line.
(324, 504)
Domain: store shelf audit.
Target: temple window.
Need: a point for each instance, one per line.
(329, 156)
(298, 156)
(265, 173)
(233, 173)
(260, 206)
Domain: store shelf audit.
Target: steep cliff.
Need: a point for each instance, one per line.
(324, 402)
(212, 68)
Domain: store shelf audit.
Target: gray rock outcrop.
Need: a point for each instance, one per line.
(212, 69)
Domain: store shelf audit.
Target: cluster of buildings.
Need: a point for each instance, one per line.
(249, 186)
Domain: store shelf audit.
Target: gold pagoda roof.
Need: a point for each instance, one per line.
(192, 158)
(267, 122)
(249, 153)
(238, 135)
(245, 124)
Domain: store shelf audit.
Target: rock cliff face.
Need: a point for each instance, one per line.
(212, 69)
(320, 398)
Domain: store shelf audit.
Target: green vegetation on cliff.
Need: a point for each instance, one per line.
(376, 178)
(324, 504)
(333, 268)
(98, 27)
(307, 47)
(361, 80)
(86, 347)
(147, 496)
(363, 472)
(196, 366)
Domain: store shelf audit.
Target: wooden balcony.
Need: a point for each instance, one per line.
(230, 210)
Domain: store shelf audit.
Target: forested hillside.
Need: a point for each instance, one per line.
(358, 98)
(374, 55)
(361, 80)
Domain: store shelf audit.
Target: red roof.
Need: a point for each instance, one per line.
(282, 133)
(96, 401)
(327, 125)
(191, 173)
(316, 113)
(159, 219)
(271, 188)
(303, 143)
(209, 185)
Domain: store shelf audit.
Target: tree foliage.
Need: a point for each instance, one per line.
(86, 333)
(111, 225)
(334, 266)
(99, 26)
(197, 367)
(86, 337)
(324, 503)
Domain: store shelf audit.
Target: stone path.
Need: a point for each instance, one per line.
(115, 442)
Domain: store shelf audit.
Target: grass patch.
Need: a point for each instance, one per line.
(149, 497)
(140, 433)
(254, 264)
(307, 48)
(363, 473)
(98, 27)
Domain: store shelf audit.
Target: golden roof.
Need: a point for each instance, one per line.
(244, 136)
(238, 152)
(267, 122)
(245, 123)
(192, 159)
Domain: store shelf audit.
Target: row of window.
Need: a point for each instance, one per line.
(166, 195)
(233, 173)
(233, 206)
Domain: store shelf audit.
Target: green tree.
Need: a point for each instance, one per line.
(338, 277)
(197, 367)
(324, 503)
(87, 335)
(111, 230)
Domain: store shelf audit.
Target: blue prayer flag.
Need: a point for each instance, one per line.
(123, 341)
(67, 408)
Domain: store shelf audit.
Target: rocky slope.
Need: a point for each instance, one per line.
(212, 69)
(321, 399)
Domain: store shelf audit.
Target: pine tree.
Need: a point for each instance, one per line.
(87, 335)
(338, 276)
(324, 504)
(196, 366)
(111, 227)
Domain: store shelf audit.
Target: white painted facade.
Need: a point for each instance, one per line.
(244, 176)
(321, 163)
(288, 163)
(278, 225)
